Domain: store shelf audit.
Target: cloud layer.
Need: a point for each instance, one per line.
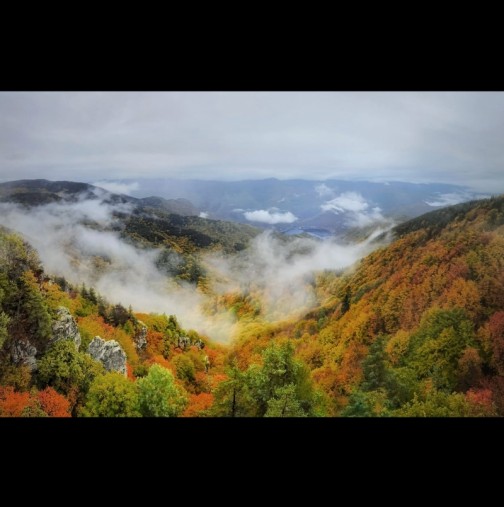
(407, 136)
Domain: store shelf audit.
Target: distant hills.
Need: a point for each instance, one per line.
(333, 205)
(40, 192)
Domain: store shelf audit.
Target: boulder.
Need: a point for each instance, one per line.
(109, 353)
(65, 328)
(23, 353)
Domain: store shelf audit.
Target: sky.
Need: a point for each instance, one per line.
(448, 137)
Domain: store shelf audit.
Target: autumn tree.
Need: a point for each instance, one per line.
(53, 403)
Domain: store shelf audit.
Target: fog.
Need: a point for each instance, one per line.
(282, 271)
(81, 241)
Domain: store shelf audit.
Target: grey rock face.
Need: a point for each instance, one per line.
(65, 328)
(140, 337)
(109, 353)
(23, 353)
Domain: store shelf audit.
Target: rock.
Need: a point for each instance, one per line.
(184, 342)
(199, 343)
(109, 353)
(65, 328)
(23, 353)
(140, 337)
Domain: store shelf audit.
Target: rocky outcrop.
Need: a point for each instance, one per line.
(184, 341)
(140, 337)
(23, 353)
(65, 328)
(109, 353)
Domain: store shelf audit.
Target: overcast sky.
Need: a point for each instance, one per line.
(418, 137)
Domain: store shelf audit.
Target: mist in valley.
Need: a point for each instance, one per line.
(82, 242)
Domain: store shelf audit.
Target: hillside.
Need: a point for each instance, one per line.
(171, 225)
(415, 328)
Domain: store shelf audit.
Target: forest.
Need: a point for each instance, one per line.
(413, 329)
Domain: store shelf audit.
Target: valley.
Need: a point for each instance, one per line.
(396, 321)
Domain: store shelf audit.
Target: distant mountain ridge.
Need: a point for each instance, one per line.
(40, 192)
(335, 205)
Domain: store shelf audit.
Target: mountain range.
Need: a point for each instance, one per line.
(332, 205)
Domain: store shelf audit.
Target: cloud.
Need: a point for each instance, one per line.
(347, 201)
(270, 216)
(99, 257)
(357, 210)
(449, 199)
(323, 190)
(282, 272)
(449, 137)
(78, 241)
(117, 187)
(203, 214)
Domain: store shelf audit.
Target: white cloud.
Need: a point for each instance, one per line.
(323, 190)
(270, 217)
(282, 272)
(356, 209)
(347, 201)
(117, 187)
(448, 200)
(204, 214)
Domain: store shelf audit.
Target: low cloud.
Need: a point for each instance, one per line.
(270, 216)
(76, 241)
(281, 272)
(448, 199)
(204, 214)
(323, 190)
(117, 187)
(79, 241)
(358, 212)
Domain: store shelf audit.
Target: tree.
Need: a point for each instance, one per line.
(232, 395)
(53, 403)
(36, 318)
(13, 403)
(285, 403)
(65, 369)
(112, 395)
(159, 395)
(4, 322)
(280, 369)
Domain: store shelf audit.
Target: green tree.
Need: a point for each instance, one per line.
(436, 404)
(4, 322)
(184, 367)
(436, 348)
(66, 370)
(232, 396)
(279, 370)
(112, 395)
(159, 395)
(36, 318)
(285, 403)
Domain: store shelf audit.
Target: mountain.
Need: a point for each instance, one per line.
(413, 328)
(333, 205)
(40, 192)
